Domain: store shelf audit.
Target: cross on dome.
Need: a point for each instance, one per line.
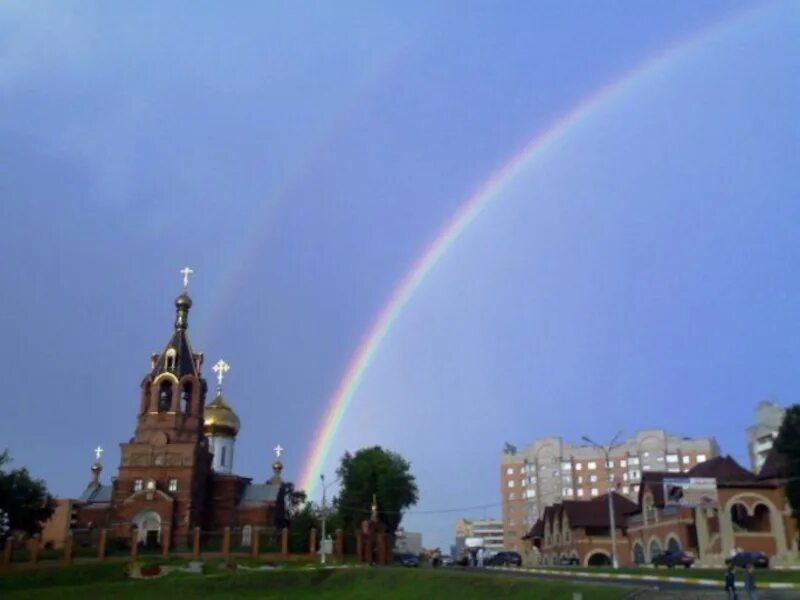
(186, 271)
(220, 368)
(278, 450)
(97, 452)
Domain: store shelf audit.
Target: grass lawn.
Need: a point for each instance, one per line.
(107, 581)
(764, 575)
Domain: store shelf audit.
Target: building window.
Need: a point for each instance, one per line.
(701, 458)
(568, 491)
(633, 460)
(580, 492)
(223, 457)
(611, 477)
(173, 485)
(578, 466)
(565, 466)
(610, 464)
(625, 489)
(510, 482)
(623, 463)
(592, 465)
(646, 454)
(672, 458)
(580, 478)
(151, 484)
(594, 491)
(660, 459)
(511, 496)
(686, 460)
(624, 477)
(137, 485)
(510, 471)
(592, 478)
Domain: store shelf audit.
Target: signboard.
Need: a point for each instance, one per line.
(692, 492)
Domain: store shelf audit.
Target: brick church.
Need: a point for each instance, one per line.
(176, 472)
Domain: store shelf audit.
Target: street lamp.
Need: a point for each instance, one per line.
(606, 450)
(324, 514)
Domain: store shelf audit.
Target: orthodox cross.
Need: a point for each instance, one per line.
(186, 271)
(220, 368)
(97, 452)
(278, 450)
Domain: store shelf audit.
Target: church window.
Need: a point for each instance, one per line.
(173, 485)
(164, 396)
(186, 396)
(222, 456)
(247, 535)
(137, 485)
(170, 359)
(151, 484)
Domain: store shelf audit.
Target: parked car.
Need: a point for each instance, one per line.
(568, 561)
(447, 560)
(505, 558)
(673, 558)
(742, 559)
(407, 560)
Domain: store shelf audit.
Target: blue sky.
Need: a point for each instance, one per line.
(300, 156)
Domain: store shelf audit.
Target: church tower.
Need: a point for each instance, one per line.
(162, 479)
(220, 426)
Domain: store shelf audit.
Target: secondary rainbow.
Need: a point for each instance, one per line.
(468, 211)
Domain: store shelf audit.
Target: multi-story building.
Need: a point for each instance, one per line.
(550, 470)
(761, 435)
(490, 530)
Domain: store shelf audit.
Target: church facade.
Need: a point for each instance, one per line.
(176, 472)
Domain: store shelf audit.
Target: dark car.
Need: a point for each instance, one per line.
(742, 559)
(568, 561)
(505, 558)
(407, 560)
(673, 558)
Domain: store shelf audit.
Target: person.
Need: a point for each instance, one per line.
(750, 582)
(480, 558)
(730, 583)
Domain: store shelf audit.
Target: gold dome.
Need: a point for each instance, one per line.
(218, 418)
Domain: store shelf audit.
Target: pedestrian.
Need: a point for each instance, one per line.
(480, 558)
(750, 582)
(730, 583)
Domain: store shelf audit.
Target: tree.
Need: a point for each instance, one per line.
(26, 500)
(293, 501)
(376, 471)
(788, 444)
(303, 521)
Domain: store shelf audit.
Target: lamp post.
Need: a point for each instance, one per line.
(606, 450)
(324, 514)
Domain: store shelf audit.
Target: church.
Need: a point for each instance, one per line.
(176, 473)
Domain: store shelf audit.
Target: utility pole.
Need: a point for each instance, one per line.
(606, 450)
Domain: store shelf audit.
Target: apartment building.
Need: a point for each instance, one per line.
(490, 530)
(761, 435)
(550, 470)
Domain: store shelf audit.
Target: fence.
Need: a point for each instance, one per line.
(229, 544)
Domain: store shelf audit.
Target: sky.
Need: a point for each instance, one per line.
(300, 157)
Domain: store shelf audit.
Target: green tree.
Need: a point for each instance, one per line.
(303, 521)
(374, 471)
(788, 444)
(26, 500)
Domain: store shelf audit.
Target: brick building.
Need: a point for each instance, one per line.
(552, 470)
(750, 512)
(176, 472)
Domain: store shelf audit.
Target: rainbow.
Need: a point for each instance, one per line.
(466, 214)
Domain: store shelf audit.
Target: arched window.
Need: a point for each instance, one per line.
(164, 396)
(170, 359)
(655, 549)
(186, 397)
(673, 545)
(758, 522)
(638, 554)
(247, 535)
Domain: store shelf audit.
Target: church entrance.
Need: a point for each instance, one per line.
(148, 524)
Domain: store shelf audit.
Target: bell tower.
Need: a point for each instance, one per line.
(162, 477)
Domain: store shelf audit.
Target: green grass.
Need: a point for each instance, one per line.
(765, 575)
(89, 582)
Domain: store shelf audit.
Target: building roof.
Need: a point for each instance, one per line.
(185, 359)
(774, 466)
(96, 493)
(725, 470)
(260, 492)
(585, 513)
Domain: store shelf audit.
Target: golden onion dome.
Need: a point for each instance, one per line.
(219, 418)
